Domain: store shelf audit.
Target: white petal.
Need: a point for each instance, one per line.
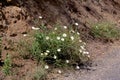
(41, 54)
(84, 43)
(80, 51)
(47, 38)
(46, 67)
(67, 61)
(59, 71)
(72, 38)
(58, 38)
(82, 47)
(58, 50)
(47, 51)
(64, 35)
(80, 40)
(25, 35)
(65, 27)
(78, 33)
(34, 28)
(88, 56)
(76, 24)
(85, 52)
(73, 31)
(55, 57)
(62, 39)
(40, 17)
(77, 67)
(55, 29)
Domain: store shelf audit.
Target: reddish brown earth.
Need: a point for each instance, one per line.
(85, 12)
(16, 19)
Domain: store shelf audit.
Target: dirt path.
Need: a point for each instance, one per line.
(108, 68)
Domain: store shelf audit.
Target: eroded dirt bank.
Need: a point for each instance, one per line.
(84, 12)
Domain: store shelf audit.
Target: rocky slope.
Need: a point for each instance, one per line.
(66, 12)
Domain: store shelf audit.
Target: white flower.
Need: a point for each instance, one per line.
(55, 29)
(96, 26)
(25, 35)
(85, 52)
(88, 56)
(76, 24)
(77, 67)
(80, 51)
(40, 17)
(78, 33)
(62, 39)
(65, 27)
(58, 50)
(84, 43)
(72, 38)
(46, 67)
(41, 54)
(80, 40)
(73, 31)
(58, 38)
(82, 47)
(59, 71)
(47, 51)
(47, 38)
(67, 61)
(64, 35)
(55, 57)
(34, 28)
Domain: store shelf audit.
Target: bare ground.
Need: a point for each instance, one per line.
(105, 67)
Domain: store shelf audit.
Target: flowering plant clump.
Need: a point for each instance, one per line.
(59, 46)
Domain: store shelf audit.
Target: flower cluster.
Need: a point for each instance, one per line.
(59, 46)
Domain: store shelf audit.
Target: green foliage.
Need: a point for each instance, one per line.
(23, 48)
(59, 47)
(7, 65)
(39, 74)
(105, 30)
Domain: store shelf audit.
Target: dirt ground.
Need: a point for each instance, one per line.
(17, 16)
(105, 67)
